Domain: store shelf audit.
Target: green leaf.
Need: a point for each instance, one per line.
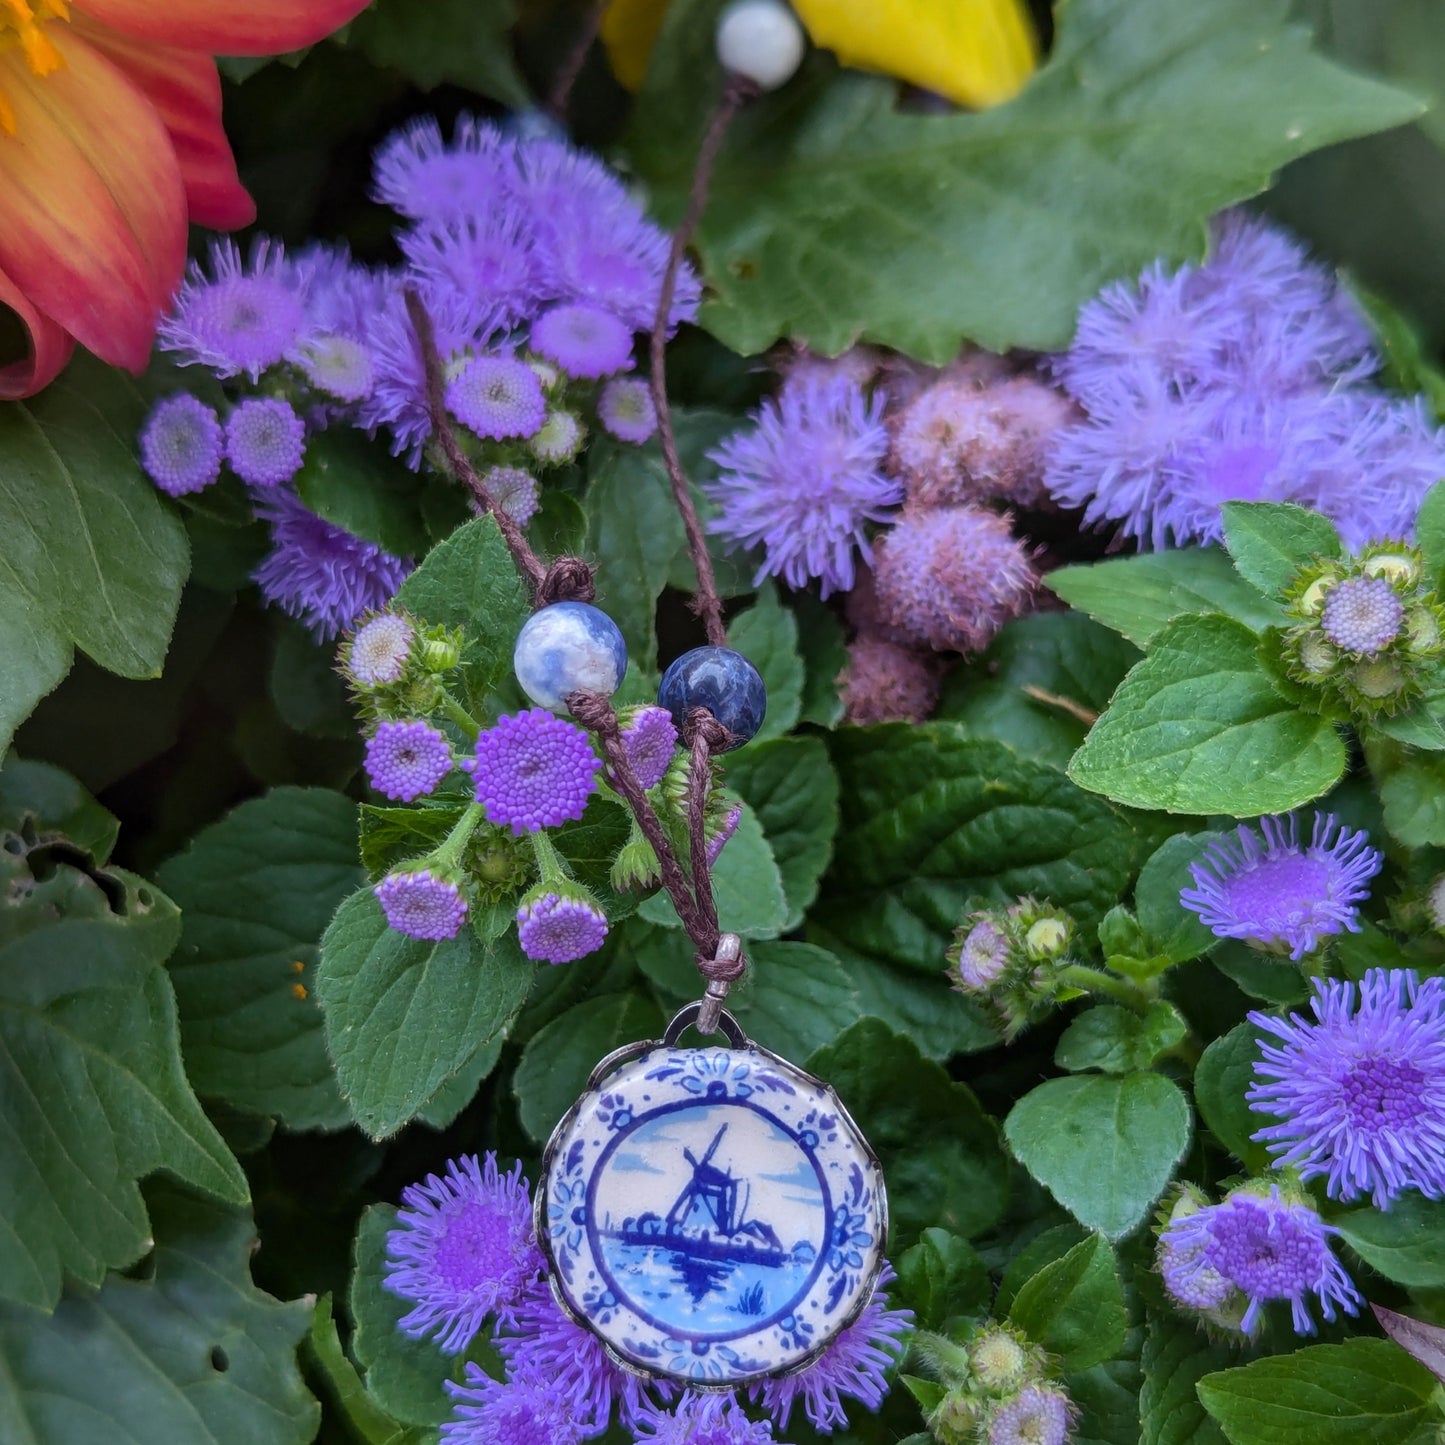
(1406, 1243)
(1170, 928)
(1103, 1146)
(1363, 1392)
(37, 799)
(1108, 1399)
(767, 635)
(306, 688)
(796, 998)
(256, 891)
(1408, 366)
(1175, 1356)
(1139, 596)
(459, 1090)
(446, 42)
(403, 1015)
(1269, 977)
(1430, 534)
(469, 581)
(1413, 797)
(1074, 1306)
(90, 556)
(823, 645)
(1049, 1244)
(354, 484)
(941, 1277)
(935, 823)
(554, 1066)
(1117, 1040)
(790, 784)
(1221, 1077)
(93, 1098)
(1198, 728)
(746, 885)
(1271, 541)
(192, 1352)
(939, 1150)
(1137, 129)
(395, 835)
(359, 1409)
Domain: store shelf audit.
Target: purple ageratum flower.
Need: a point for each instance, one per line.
(343, 301)
(265, 441)
(1190, 1281)
(719, 840)
(421, 905)
(515, 1412)
(516, 492)
(533, 771)
(242, 318)
(950, 577)
(649, 740)
(559, 440)
(483, 265)
(1267, 888)
(181, 445)
(463, 1248)
(983, 957)
(853, 1366)
(497, 397)
(1037, 1415)
(1362, 615)
(406, 759)
(1268, 1248)
(585, 341)
(1396, 453)
(1360, 1091)
(804, 480)
(559, 187)
(419, 174)
(699, 1419)
(319, 573)
(379, 651)
(625, 408)
(553, 928)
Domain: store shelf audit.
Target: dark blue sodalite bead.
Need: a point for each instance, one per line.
(721, 680)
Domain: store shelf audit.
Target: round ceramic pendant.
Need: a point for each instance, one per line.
(712, 1214)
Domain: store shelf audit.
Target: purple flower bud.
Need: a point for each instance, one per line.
(497, 397)
(585, 341)
(1362, 615)
(556, 928)
(1037, 1415)
(421, 905)
(625, 408)
(650, 739)
(718, 841)
(516, 492)
(265, 441)
(378, 652)
(181, 445)
(886, 682)
(982, 957)
(406, 759)
(533, 771)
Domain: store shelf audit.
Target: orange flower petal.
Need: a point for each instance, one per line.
(226, 27)
(185, 89)
(92, 209)
(50, 347)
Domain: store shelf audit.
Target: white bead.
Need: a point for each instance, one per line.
(762, 40)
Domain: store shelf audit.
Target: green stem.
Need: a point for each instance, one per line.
(448, 853)
(459, 715)
(1093, 980)
(549, 861)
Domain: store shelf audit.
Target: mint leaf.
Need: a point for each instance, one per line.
(1139, 596)
(1139, 126)
(403, 1015)
(256, 891)
(1197, 727)
(1406, 1242)
(1271, 541)
(1103, 1146)
(1074, 1306)
(1174, 1358)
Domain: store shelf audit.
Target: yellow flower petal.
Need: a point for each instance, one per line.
(976, 52)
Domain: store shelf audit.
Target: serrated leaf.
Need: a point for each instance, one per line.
(194, 1353)
(1118, 1040)
(1197, 727)
(1175, 1357)
(1405, 1243)
(256, 892)
(47, 803)
(1221, 1077)
(1139, 596)
(1074, 1306)
(403, 1015)
(1413, 798)
(1271, 541)
(1169, 928)
(767, 635)
(1103, 1146)
(1363, 1392)
(940, 1277)
(392, 835)
(93, 1098)
(90, 556)
(1139, 127)
(934, 822)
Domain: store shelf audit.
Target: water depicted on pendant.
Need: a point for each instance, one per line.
(712, 1214)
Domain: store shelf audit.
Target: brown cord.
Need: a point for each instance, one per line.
(576, 59)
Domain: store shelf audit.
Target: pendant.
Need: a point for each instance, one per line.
(712, 1214)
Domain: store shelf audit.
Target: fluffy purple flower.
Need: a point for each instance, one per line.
(1189, 1280)
(318, 572)
(463, 1248)
(483, 265)
(853, 1366)
(1037, 1415)
(343, 301)
(650, 739)
(625, 408)
(242, 318)
(1360, 1090)
(265, 441)
(1268, 1248)
(950, 577)
(516, 492)
(560, 187)
(406, 759)
(585, 341)
(803, 482)
(497, 397)
(419, 174)
(515, 1412)
(886, 682)
(983, 957)
(699, 1419)
(1270, 890)
(378, 653)
(181, 445)
(533, 771)
(1362, 615)
(420, 905)
(553, 928)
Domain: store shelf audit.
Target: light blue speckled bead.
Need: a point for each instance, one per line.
(565, 648)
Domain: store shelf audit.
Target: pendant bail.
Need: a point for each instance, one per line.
(721, 971)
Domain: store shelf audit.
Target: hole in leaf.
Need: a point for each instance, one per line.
(220, 1361)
